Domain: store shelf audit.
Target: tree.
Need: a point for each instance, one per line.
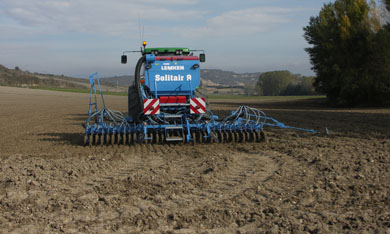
(379, 67)
(305, 86)
(340, 54)
(387, 4)
(275, 82)
(284, 83)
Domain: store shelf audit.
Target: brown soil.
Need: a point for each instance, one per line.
(295, 182)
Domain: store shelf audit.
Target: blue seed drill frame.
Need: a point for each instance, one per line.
(164, 106)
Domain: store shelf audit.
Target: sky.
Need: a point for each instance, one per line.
(80, 37)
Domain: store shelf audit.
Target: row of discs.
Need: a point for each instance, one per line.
(158, 137)
(227, 136)
(123, 139)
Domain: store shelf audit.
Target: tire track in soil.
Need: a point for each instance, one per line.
(246, 170)
(252, 168)
(241, 171)
(134, 159)
(137, 159)
(141, 157)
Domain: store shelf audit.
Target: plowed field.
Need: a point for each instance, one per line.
(294, 182)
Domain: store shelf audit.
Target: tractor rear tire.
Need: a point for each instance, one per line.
(134, 102)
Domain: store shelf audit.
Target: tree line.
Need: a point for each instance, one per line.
(284, 83)
(350, 51)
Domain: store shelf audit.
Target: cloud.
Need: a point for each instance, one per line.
(170, 2)
(117, 17)
(245, 21)
(121, 17)
(91, 33)
(15, 32)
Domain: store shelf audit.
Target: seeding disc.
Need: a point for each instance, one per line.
(85, 140)
(101, 138)
(193, 136)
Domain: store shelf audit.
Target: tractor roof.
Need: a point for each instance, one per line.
(163, 50)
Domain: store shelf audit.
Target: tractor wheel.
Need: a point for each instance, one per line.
(134, 102)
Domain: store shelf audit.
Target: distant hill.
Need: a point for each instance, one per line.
(228, 78)
(213, 81)
(218, 77)
(18, 78)
(117, 80)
